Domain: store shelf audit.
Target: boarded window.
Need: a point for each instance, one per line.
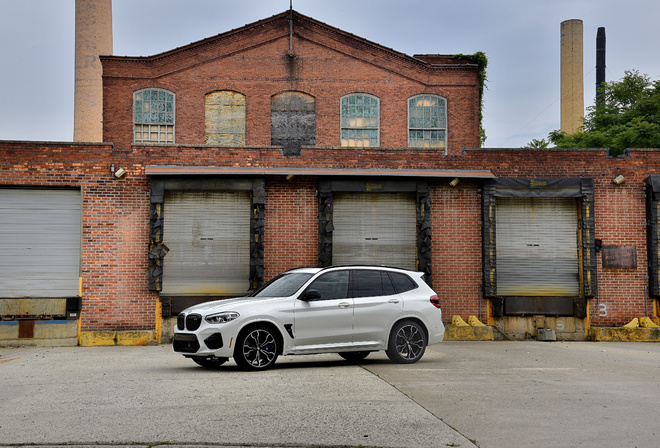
(427, 122)
(293, 121)
(153, 116)
(360, 120)
(225, 119)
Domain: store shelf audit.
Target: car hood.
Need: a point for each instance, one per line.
(234, 304)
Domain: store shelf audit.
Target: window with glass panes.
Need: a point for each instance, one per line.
(360, 120)
(153, 116)
(427, 122)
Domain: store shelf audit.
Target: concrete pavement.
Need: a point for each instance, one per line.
(148, 395)
(539, 394)
(486, 394)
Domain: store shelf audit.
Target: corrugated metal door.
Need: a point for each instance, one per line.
(39, 243)
(208, 236)
(537, 247)
(372, 228)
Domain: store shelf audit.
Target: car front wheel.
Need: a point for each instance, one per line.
(256, 348)
(407, 342)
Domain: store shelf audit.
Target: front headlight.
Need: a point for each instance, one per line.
(221, 318)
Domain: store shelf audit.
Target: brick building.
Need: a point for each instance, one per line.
(288, 142)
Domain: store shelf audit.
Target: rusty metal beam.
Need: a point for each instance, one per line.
(284, 171)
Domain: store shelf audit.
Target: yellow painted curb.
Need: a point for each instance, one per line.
(134, 337)
(108, 338)
(623, 334)
(97, 338)
(458, 321)
(468, 333)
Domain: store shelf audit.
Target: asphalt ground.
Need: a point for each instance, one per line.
(486, 394)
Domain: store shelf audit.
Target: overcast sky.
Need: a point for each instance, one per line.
(521, 39)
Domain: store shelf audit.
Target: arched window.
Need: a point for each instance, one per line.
(427, 122)
(292, 121)
(225, 118)
(153, 116)
(360, 120)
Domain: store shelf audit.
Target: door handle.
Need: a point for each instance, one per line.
(344, 305)
(393, 301)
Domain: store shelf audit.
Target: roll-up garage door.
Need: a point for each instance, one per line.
(39, 243)
(208, 236)
(373, 228)
(537, 247)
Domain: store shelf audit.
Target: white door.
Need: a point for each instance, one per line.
(376, 306)
(327, 323)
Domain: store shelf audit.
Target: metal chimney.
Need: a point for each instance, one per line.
(572, 85)
(600, 61)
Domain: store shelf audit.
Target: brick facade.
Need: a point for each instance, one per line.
(327, 64)
(115, 216)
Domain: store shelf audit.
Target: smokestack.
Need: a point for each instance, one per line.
(600, 62)
(93, 38)
(572, 85)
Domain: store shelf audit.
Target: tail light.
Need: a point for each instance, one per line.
(435, 301)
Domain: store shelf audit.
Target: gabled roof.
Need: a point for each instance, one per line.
(304, 27)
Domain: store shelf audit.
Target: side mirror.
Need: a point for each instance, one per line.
(311, 294)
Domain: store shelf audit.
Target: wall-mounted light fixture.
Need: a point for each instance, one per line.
(117, 174)
(454, 182)
(619, 179)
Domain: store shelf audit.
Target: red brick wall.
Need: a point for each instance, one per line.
(326, 66)
(115, 215)
(291, 230)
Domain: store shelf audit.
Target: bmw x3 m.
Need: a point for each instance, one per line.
(349, 310)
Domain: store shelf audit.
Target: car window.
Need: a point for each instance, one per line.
(402, 282)
(332, 285)
(283, 286)
(372, 283)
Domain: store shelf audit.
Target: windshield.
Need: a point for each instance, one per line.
(283, 286)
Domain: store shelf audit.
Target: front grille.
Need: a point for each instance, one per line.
(214, 341)
(185, 343)
(193, 321)
(181, 322)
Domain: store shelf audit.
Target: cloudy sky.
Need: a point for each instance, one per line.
(521, 39)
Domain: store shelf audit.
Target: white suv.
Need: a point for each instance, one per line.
(350, 310)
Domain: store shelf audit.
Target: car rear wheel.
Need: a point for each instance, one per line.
(256, 348)
(354, 356)
(407, 342)
(209, 362)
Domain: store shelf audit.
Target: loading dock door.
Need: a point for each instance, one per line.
(208, 236)
(537, 247)
(371, 228)
(39, 243)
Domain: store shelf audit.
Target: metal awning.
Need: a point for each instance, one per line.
(285, 171)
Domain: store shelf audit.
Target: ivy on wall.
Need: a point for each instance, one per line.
(481, 60)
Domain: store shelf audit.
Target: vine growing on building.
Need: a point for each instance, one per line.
(481, 60)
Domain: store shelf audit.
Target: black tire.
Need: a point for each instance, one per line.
(407, 342)
(210, 362)
(256, 348)
(354, 356)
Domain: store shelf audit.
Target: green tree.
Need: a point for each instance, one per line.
(537, 144)
(626, 115)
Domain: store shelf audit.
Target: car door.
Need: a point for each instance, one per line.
(325, 324)
(376, 307)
